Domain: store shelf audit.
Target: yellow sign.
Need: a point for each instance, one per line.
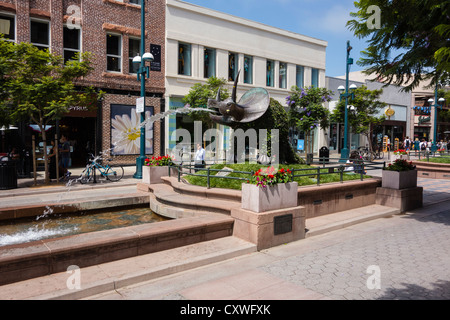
(389, 112)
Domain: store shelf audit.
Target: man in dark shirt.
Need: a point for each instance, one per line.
(65, 155)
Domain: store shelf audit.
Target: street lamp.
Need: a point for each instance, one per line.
(142, 74)
(344, 93)
(435, 105)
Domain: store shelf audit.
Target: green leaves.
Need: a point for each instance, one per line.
(37, 85)
(411, 45)
(366, 113)
(306, 107)
(200, 93)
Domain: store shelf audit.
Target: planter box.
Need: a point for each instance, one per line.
(152, 175)
(399, 179)
(280, 196)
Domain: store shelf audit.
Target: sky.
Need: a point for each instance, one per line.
(321, 19)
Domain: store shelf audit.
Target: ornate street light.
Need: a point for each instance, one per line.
(435, 105)
(345, 93)
(142, 74)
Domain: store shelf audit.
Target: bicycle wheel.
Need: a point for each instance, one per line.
(114, 173)
(86, 175)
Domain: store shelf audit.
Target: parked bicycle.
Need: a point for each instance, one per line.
(111, 172)
(366, 154)
(379, 154)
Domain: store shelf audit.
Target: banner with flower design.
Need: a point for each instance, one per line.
(126, 130)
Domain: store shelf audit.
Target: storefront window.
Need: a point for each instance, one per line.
(269, 73)
(233, 66)
(209, 63)
(315, 77)
(71, 43)
(114, 52)
(184, 59)
(248, 69)
(8, 27)
(134, 49)
(40, 34)
(299, 76)
(283, 75)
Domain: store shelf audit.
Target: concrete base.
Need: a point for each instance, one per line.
(403, 199)
(152, 175)
(271, 228)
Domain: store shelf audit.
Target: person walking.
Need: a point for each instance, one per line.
(199, 159)
(65, 157)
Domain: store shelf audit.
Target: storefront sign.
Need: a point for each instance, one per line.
(424, 119)
(389, 112)
(300, 145)
(420, 120)
(155, 50)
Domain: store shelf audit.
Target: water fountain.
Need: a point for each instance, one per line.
(54, 253)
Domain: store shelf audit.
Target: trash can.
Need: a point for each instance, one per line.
(324, 155)
(8, 174)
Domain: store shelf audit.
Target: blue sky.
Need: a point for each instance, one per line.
(322, 19)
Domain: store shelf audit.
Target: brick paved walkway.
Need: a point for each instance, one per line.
(411, 255)
(407, 255)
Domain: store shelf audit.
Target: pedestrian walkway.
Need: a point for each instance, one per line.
(230, 268)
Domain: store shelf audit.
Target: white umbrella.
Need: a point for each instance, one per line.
(9, 128)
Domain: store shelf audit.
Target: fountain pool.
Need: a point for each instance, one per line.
(53, 226)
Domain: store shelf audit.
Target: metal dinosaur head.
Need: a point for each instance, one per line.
(251, 106)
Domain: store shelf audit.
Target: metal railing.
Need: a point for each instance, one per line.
(316, 172)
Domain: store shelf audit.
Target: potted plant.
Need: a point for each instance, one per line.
(401, 174)
(156, 167)
(269, 189)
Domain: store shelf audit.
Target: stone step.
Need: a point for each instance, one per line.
(165, 198)
(110, 276)
(339, 220)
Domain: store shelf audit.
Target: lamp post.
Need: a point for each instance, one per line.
(435, 105)
(142, 74)
(344, 93)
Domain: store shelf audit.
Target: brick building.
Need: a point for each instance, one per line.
(111, 30)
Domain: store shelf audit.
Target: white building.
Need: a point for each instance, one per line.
(201, 43)
(397, 112)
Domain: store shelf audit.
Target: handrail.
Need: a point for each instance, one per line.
(318, 171)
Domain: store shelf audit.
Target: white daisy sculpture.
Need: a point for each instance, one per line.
(126, 134)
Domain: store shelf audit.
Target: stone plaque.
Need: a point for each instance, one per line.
(282, 224)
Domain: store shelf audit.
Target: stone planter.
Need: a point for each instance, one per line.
(399, 179)
(152, 175)
(280, 196)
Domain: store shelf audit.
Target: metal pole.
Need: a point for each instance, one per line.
(142, 71)
(435, 118)
(345, 151)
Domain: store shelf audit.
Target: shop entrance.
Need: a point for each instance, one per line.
(81, 134)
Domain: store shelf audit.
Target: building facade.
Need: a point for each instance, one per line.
(396, 127)
(420, 116)
(202, 43)
(111, 30)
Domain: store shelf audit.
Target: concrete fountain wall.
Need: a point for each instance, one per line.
(207, 216)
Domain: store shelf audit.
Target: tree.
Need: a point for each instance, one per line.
(366, 113)
(200, 93)
(307, 110)
(37, 86)
(412, 43)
